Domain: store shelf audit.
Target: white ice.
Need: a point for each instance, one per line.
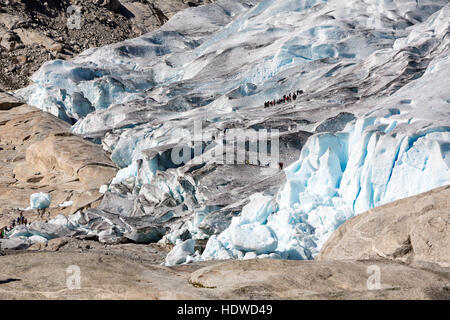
(40, 200)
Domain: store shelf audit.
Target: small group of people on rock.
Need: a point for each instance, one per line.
(280, 164)
(20, 220)
(286, 98)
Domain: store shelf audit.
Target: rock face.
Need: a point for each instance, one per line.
(7, 102)
(72, 157)
(250, 238)
(19, 243)
(38, 154)
(411, 230)
(269, 279)
(112, 5)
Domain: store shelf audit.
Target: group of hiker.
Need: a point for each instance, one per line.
(286, 98)
(20, 220)
(280, 164)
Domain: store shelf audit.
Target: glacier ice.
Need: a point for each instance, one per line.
(331, 183)
(375, 76)
(65, 204)
(60, 220)
(40, 200)
(38, 239)
(180, 252)
(258, 210)
(19, 231)
(291, 32)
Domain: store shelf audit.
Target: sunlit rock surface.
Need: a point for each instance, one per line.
(118, 275)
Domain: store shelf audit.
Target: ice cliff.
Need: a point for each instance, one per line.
(372, 126)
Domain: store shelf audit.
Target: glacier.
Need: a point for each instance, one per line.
(372, 126)
(40, 200)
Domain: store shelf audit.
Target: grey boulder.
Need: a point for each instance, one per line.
(49, 230)
(17, 243)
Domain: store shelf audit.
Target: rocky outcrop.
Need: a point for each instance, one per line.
(7, 102)
(19, 243)
(277, 279)
(72, 157)
(112, 5)
(110, 228)
(412, 230)
(38, 154)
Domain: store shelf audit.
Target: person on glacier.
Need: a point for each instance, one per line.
(20, 218)
(3, 232)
